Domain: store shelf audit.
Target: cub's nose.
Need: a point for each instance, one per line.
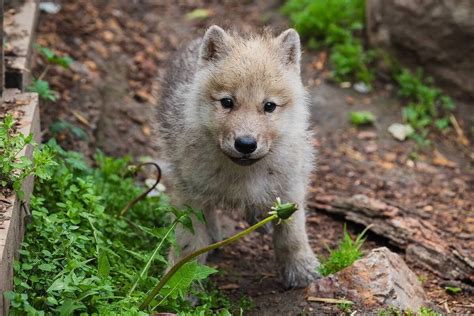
(245, 144)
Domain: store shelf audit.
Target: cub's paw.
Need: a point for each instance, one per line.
(300, 271)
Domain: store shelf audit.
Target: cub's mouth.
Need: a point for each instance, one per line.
(244, 161)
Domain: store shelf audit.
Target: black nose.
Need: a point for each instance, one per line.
(245, 144)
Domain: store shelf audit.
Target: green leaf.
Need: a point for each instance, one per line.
(187, 223)
(61, 125)
(198, 14)
(69, 306)
(42, 88)
(181, 280)
(46, 267)
(103, 265)
(47, 53)
(52, 58)
(361, 118)
(442, 123)
(452, 290)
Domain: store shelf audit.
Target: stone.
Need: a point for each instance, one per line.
(437, 35)
(400, 131)
(378, 280)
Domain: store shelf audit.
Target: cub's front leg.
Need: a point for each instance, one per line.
(294, 255)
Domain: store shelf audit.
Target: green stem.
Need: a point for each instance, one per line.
(145, 268)
(144, 194)
(199, 252)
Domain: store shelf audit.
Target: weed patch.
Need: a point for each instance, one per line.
(79, 257)
(332, 23)
(14, 169)
(41, 86)
(336, 24)
(344, 256)
(393, 311)
(427, 105)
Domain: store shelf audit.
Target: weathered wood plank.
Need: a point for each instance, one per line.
(20, 35)
(12, 228)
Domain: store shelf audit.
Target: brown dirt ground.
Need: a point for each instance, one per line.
(120, 46)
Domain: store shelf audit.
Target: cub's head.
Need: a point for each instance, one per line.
(249, 92)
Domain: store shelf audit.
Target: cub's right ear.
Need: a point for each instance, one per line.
(214, 44)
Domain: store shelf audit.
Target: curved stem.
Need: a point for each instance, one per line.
(141, 196)
(199, 252)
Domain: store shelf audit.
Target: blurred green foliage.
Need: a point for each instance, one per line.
(333, 23)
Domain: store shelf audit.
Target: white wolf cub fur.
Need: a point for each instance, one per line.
(234, 128)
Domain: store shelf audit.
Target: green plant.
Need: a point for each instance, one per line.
(394, 311)
(333, 23)
(175, 274)
(345, 308)
(345, 255)
(427, 105)
(422, 277)
(314, 19)
(14, 169)
(41, 86)
(61, 126)
(52, 58)
(361, 117)
(350, 62)
(79, 257)
(425, 311)
(452, 290)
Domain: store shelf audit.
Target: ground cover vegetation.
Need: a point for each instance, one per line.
(78, 256)
(337, 25)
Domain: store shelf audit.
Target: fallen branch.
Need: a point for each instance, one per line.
(403, 229)
(328, 300)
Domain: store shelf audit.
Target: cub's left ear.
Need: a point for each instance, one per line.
(290, 47)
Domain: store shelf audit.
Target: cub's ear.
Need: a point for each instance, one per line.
(290, 47)
(214, 44)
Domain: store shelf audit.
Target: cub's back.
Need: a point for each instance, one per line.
(174, 88)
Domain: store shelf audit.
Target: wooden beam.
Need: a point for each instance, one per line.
(2, 59)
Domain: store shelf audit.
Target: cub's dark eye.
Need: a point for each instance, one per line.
(227, 103)
(269, 107)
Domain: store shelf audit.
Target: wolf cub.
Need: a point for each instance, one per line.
(234, 128)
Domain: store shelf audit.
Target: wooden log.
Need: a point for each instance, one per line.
(419, 239)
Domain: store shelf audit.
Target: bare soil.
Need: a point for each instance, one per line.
(120, 46)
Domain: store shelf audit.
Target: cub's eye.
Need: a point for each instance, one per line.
(269, 107)
(227, 103)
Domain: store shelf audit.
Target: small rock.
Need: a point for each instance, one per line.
(400, 131)
(361, 87)
(424, 167)
(366, 135)
(380, 279)
(49, 7)
(428, 208)
(389, 156)
(345, 84)
(370, 148)
(350, 100)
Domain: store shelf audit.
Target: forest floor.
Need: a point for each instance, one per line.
(120, 46)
